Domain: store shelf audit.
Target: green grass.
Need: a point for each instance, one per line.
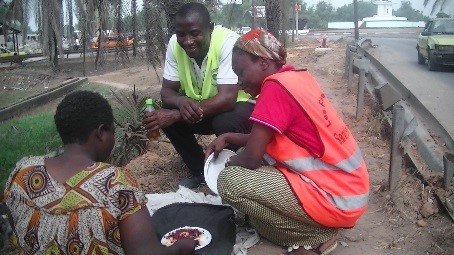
(36, 134)
(29, 136)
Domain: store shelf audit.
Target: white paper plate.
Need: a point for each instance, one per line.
(214, 166)
(204, 239)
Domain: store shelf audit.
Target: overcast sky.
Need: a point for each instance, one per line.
(416, 4)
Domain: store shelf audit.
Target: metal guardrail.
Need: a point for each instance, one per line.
(389, 92)
(407, 128)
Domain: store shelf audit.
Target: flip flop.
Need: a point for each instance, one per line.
(327, 251)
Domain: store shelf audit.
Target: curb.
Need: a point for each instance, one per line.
(12, 110)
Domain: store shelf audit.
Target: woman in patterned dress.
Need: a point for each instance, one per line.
(77, 204)
(315, 180)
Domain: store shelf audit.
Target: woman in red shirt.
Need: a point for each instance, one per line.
(315, 180)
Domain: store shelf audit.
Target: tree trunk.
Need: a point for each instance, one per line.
(100, 9)
(118, 16)
(134, 27)
(24, 22)
(284, 21)
(69, 8)
(273, 17)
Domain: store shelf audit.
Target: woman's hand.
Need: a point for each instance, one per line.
(185, 246)
(217, 145)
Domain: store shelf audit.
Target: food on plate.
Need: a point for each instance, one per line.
(195, 233)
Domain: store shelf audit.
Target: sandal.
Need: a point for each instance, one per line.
(317, 250)
(327, 251)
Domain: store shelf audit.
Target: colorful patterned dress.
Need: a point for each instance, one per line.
(80, 216)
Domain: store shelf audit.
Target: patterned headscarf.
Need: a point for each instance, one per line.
(263, 44)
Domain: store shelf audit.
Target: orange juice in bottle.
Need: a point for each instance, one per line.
(152, 135)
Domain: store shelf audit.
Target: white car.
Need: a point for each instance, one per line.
(244, 30)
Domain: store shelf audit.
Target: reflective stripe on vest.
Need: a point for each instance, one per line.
(209, 86)
(333, 188)
(310, 163)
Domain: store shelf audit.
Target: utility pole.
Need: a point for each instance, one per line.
(293, 30)
(355, 17)
(253, 14)
(297, 9)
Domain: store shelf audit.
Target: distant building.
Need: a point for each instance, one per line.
(383, 19)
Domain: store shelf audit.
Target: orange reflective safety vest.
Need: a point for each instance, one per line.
(332, 188)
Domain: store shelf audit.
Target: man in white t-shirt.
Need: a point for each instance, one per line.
(199, 92)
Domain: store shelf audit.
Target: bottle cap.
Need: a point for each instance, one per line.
(149, 101)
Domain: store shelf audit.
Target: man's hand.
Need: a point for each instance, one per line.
(158, 119)
(190, 110)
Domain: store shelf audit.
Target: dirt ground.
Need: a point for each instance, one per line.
(409, 221)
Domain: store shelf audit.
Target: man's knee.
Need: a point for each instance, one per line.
(236, 121)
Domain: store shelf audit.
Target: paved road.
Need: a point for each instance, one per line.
(435, 90)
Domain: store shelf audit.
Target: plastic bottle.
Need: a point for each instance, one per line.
(152, 135)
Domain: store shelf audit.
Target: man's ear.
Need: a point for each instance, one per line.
(211, 26)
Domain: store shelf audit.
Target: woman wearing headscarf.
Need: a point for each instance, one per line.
(315, 180)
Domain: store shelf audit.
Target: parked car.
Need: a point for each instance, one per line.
(7, 55)
(113, 41)
(436, 43)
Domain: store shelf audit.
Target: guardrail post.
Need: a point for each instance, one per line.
(350, 71)
(361, 87)
(448, 167)
(395, 167)
(347, 61)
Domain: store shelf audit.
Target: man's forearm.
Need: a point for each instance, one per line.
(170, 98)
(224, 101)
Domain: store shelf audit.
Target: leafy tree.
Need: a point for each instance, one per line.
(320, 15)
(406, 10)
(345, 13)
(443, 15)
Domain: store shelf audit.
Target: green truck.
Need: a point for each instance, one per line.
(436, 43)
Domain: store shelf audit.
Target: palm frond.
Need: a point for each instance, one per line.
(438, 4)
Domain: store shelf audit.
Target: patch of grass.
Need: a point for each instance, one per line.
(34, 133)
(14, 96)
(29, 136)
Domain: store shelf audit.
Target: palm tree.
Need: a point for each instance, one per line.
(437, 4)
(70, 32)
(51, 28)
(273, 17)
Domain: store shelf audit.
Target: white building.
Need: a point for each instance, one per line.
(383, 19)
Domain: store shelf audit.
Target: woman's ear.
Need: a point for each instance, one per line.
(100, 132)
(264, 63)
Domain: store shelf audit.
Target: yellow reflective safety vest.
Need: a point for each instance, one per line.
(332, 188)
(209, 86)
